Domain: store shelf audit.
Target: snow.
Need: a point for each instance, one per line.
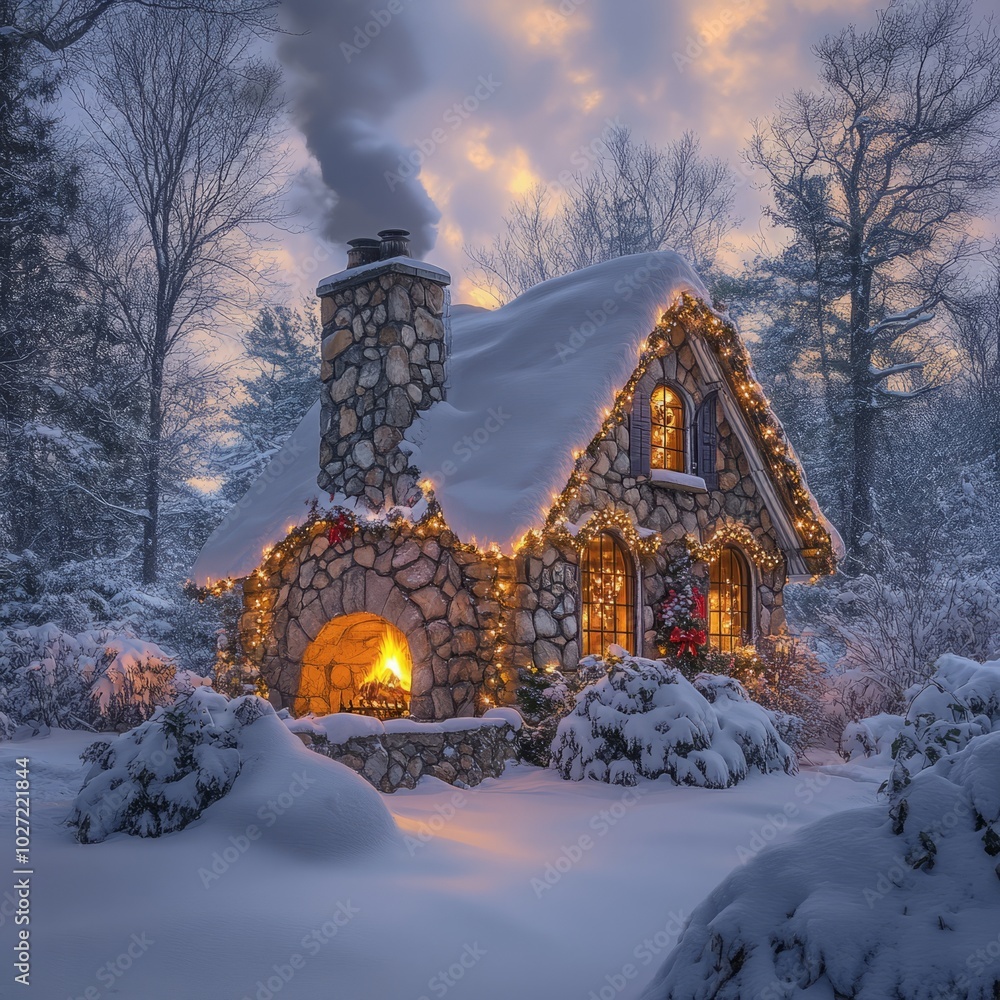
(527, 386)
(859, 905)
(644, 719)
(490, 866)
(344, 726)
(229, 757)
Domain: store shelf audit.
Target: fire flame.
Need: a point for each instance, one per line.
(392, 667)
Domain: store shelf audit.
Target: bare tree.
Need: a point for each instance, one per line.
(635, 199)
(59, 24)
(902, 133)
(185, 121)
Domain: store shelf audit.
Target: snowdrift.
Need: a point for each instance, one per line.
(233, 764)
(644, 719)
(864, 905)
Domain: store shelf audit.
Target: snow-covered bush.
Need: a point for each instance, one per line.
(6, 727)
(102, 593)
(861, 905)
(545, 696)
(235, 765)
(871, 737)
(884, 633)
(159, 777)
(960, 701)
(645, 719)
(99, 677)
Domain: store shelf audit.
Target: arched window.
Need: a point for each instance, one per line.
(729, 622)
(607, 588)
(667, 430)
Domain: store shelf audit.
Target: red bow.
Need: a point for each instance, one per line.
(688, 641)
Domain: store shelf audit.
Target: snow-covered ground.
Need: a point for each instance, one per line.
(527, 886)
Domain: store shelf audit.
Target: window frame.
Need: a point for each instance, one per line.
(631, 602)
(748, 587)
(686, 411)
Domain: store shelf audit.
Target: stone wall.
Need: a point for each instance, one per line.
(402, 752)
(437, 594)
(383, 360)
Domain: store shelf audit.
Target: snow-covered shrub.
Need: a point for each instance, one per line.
(99, 677)
(781, 674)
(858, 907)
(161, 775)
(645, 719)
(102, 593)
(961, 700)
(544, 696)
(885, 632)
(871, 737)
(232, 765)
(6, 727)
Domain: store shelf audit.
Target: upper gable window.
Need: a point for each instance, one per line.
(667, 430)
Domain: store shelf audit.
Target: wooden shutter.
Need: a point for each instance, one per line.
(638, 434)
(706, 441)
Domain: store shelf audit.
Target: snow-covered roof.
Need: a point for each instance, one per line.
(528, 385)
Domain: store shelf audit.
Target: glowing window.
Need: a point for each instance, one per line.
(729, 601)
(607, 587)
(667, 430)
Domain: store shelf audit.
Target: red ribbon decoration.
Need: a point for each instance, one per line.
(688, 641)
(699, 603)
(340, 530)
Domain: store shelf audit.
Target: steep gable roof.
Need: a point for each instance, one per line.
(529, 385)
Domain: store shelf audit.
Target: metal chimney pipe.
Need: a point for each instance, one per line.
(363, 251)
(395, 243)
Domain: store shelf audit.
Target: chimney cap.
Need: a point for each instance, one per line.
(363, 250)
(395, 243)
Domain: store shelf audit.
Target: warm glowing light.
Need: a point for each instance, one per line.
(392, 667)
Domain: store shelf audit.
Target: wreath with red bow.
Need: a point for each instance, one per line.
(681, 618)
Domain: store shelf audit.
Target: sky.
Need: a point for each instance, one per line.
(434, 115)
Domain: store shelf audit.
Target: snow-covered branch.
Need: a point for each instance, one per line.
(907, 366)
(899, 323)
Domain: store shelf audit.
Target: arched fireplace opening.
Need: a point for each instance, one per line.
(358, 663)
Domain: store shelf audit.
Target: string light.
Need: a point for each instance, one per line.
(689, 314)
(709, 551)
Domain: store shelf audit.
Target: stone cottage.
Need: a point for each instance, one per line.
(476, 490)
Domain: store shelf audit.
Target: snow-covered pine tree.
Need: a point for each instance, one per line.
(282, 349)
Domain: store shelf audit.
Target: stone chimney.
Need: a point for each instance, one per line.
(384, 347)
